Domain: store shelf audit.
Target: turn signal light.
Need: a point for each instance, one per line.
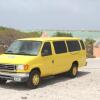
(26, 67)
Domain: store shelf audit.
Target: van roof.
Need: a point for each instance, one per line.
(51, 38)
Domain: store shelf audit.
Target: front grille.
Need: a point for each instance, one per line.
(7, 67)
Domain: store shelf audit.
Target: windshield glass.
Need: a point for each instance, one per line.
(22, 47)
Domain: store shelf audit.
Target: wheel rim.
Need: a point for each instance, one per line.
(74, 71)
(36, 79)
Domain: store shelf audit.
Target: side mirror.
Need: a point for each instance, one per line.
(44, 53)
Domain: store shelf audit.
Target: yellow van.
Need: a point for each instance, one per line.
(30, 59)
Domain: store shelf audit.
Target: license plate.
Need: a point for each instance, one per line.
(17, 79)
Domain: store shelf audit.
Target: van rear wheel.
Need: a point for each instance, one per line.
(73, 71)
(34, 79)
(2, 81)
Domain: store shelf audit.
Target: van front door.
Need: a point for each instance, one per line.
(46, 58)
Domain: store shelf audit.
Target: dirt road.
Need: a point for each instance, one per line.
(85, 87)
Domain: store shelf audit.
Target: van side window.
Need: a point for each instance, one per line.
(82, 44)
(73, 46)
(60, 47)
(47, 48)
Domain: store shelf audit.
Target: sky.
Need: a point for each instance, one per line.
(50, 14)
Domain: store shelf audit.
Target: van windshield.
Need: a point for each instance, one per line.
(22, 47)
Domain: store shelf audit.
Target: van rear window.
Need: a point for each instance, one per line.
(60, 47)
(73, 46)
(82, 44)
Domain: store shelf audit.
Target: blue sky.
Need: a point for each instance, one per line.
(50, 14)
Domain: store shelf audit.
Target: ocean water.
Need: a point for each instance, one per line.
(81, 34)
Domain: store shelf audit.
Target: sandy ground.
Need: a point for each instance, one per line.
(85, 87)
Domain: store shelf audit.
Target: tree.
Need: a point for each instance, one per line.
(89, 47)
(37, 34)
(62, 34)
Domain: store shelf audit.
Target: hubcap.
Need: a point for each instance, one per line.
(36, 79)
(74, 71)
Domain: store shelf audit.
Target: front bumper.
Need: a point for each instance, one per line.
(18, 77)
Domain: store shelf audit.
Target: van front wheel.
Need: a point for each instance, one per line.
(34, 79)
(73, 71)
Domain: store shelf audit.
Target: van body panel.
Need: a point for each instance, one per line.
(50, 64)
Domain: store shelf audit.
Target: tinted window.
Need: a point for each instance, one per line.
(47, 47)
(73, 46)
(82, 44)
(60, 47)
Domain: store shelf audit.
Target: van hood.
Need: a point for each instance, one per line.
(15, 59)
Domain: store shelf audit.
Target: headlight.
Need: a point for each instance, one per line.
(22, 67)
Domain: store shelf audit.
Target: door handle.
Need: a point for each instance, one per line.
(53, 61)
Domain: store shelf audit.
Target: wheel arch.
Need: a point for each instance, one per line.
(37, 69)
(75, 63)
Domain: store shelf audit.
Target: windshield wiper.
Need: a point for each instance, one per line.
(19, 53)
(24, 53)
(9, 52)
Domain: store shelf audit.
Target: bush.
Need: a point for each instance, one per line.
(89, 47)
(62, 34)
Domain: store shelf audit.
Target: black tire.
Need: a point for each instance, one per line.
(30, 82)
(3, 81)
(73, 71)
